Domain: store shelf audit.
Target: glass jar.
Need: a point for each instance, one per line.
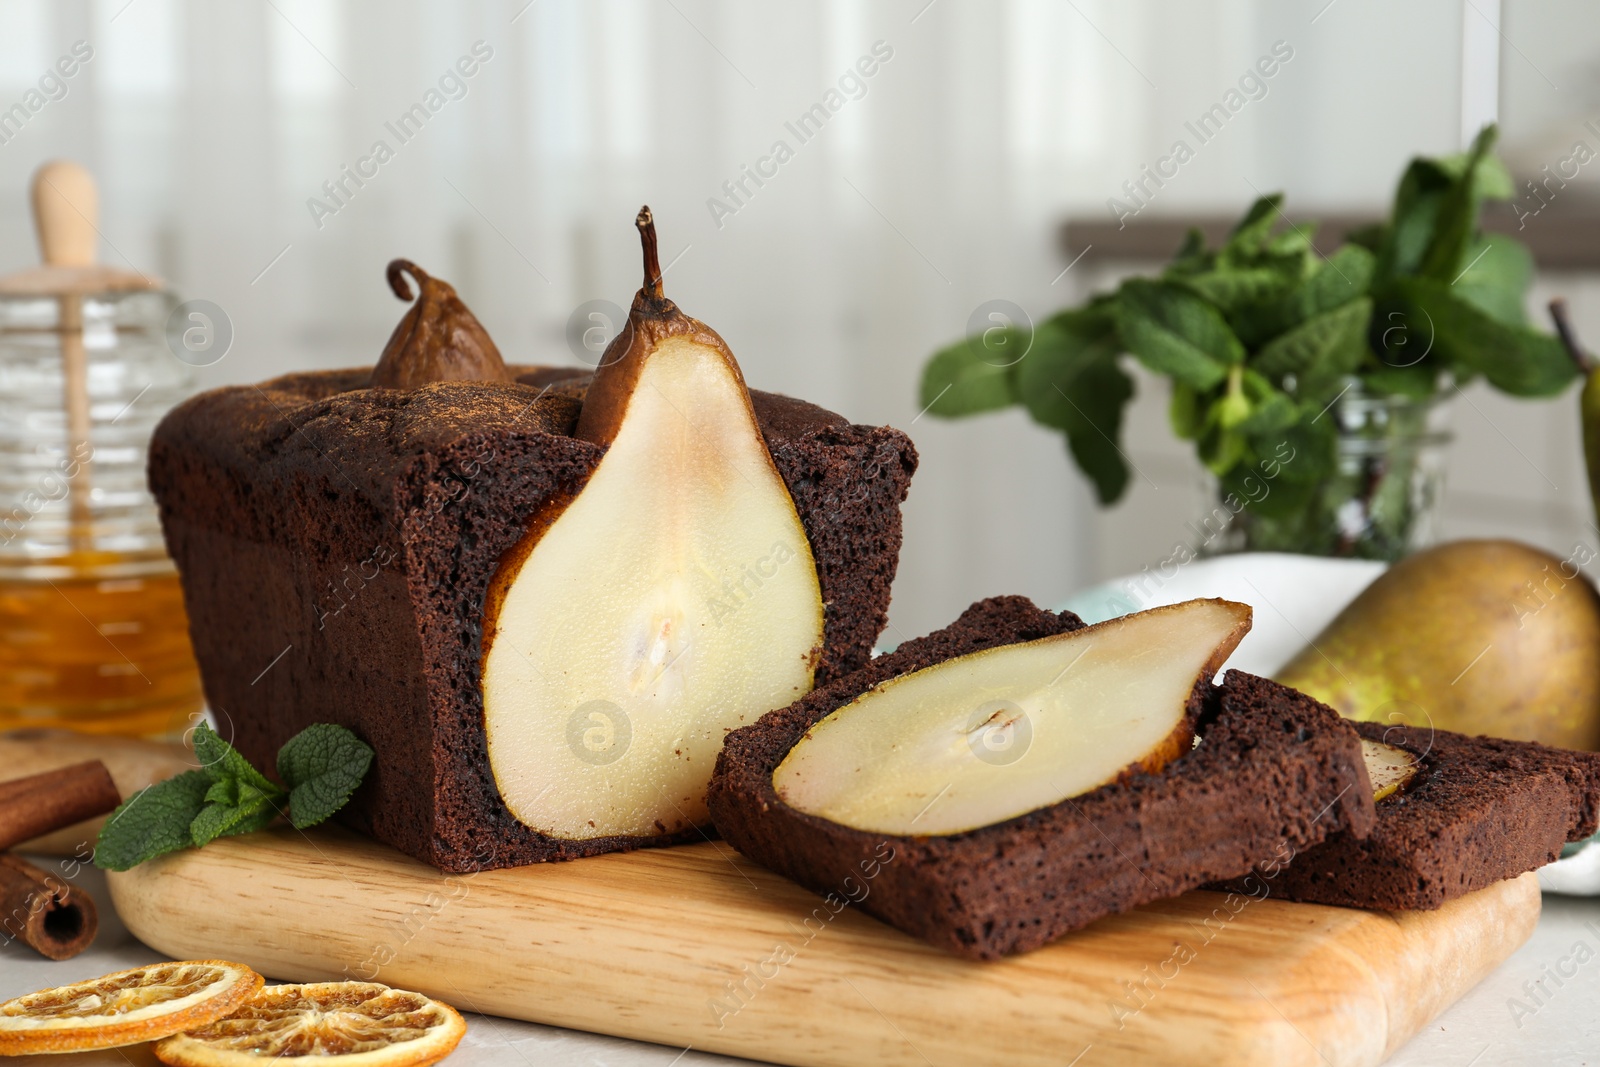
(1382, 499)
(93, 634)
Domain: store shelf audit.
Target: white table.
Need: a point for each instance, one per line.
(1478, 1031)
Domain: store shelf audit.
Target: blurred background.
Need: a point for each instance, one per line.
(975, 163)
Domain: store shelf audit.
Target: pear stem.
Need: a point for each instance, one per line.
(652, 259)
(396, 272)
(1569, 339)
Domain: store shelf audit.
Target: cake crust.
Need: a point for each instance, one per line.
(1275, 769)
(1478, 810)
(346, 536)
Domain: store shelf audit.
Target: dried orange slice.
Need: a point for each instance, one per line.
(141, 1004)
(356, 1024)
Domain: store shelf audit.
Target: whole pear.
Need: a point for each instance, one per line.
(1478, 637)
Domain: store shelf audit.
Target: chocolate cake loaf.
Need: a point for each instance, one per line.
(337, 542)
(1273, 769)
(1478, 810)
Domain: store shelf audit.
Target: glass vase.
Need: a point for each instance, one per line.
(1382, 499)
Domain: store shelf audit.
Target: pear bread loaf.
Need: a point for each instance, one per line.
(1476, 811)
(337, 542)
(1273, 770)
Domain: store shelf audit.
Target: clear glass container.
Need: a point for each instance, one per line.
(1382, 500)
(93, 635)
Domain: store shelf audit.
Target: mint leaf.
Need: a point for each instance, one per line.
(254, 811)
(1417, 382)
(1296, 240)
(967, 379)
(1221, 450)
(1494, 180)
(1183, 412)
(1517, 360)
(1331, 343)
(1458, 215)
(1101, 394)
(1410, 231)
(1176, 333)
(1235, 288)
(322, 765)
(220, 760)
(1342, 277)
(1271, 410)
(152, 822)
(1192, 257)
(223, 791)
(1372, 237)
(1251, 232)
(1496, 278)
(1071, 381)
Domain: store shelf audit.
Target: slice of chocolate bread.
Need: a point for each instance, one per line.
(1478, 810)
(1274, 770)
(336, 543)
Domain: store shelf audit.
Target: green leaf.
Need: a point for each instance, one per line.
(1305, 451)
(1417, 202)
(152, 822)
(1183, 412)
(322, 766)
(1515, 359)
(1333, 342)
(1496, 278)
(1174, 332)
(1494, 180)
(974, 375)
(1415, 383)
(1192, 256)
(224, 820)
(1251, 232)
(220, 760)
(1342, 277)
(1458, 215)
(1271, 410)
(223, 791)
(1233, 288)
(1221, 450)
(1297, 240)
(1101, 393)
(1269, 497)
(1372, 237)
(1070, 381)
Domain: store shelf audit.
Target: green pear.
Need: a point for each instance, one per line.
(1478, 637)
(1589, 411)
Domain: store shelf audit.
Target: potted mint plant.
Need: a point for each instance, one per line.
(1310, 385)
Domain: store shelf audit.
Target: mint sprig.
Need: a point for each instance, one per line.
(321, 766)
(1259, 337)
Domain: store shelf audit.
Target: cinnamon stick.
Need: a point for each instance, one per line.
(43, 911)
(45, 802)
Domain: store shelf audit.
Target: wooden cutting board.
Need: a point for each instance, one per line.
(649, 945)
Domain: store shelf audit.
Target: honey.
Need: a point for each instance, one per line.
(102, 646)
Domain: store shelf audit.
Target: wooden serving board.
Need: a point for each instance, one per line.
(645, 945)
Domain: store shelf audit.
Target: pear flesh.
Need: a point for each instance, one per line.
(673, 599)
(1389, 767)
(995, 734)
